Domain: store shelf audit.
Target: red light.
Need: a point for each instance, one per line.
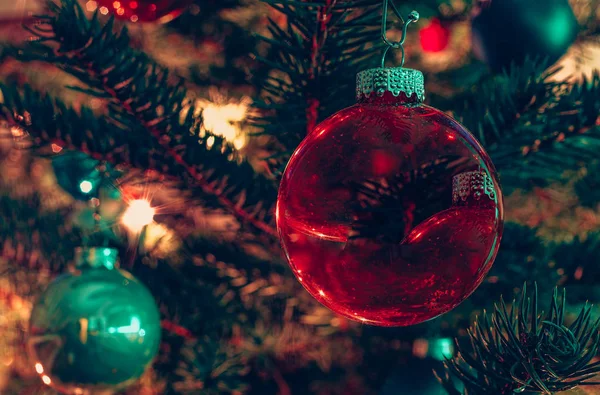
(435, 37)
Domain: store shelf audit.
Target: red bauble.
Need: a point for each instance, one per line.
(434, 37)
(159, 11)
(390, 212)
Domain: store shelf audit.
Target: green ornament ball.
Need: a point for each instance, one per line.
(509, 31)
(96, 329)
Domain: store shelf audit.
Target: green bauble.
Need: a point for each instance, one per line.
(96, 329)
(508, 31)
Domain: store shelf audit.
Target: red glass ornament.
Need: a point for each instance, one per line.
(159, 11)
(434, 37)
(390, 212)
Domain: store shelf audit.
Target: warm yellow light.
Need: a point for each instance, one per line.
(17, 131)
(104, 10)
(139, 214)
(86, 186)
(39, 368)
(223, 118)
(91, 6)
(46, 380)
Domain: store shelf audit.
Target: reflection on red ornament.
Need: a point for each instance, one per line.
(435, 37)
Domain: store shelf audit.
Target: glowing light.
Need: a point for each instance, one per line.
(561, 28)
(134, 18)
(39, 368)
(133, 5)
(223, 117)
(56, 148)
(321, 292)
(46, 380)
(121, 11)
(91, 6)
(210, 141)
(139, 214)
(86, 186)
(17, 131)
(116, 4)
(104, 10)
(441, 349)
(420, 348)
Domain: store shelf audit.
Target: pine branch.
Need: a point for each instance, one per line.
(31, 238)
(142, 93)
(209, 366)
(519, 350)
(534, 128)
(314, 60)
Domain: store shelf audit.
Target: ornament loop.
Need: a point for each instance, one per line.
(412, 17)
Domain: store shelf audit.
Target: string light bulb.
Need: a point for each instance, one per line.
(138, 215)
(86, 186)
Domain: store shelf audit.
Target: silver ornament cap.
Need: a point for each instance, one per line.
(396, 80)
(474, 185)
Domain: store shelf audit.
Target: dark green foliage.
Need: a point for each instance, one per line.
(518, 350)
(579, 262)
(314, 62)
(143, 95)
(25, 230)
(523, 256)
(588, 187)
(209, 367)
(534, 128)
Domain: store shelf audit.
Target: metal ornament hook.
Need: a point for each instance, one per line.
(412, 17)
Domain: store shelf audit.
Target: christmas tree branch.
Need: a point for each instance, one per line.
(314, 60)
(141, 92)
(520, 350)
(533, 127)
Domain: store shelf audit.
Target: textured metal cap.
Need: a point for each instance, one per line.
(472, 185)
(96, 257)
(395, 80)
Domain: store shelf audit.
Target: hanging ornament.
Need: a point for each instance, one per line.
(435, 37)
(390, 212)
(159, 11)
(95, 329)
(507, 31)
(80, 175)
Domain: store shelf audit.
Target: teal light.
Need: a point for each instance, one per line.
(441, 349)
(86, 186)
(559, 28)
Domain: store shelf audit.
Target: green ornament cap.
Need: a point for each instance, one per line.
(96, 257)
(395, 80)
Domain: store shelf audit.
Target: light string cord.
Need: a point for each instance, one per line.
(412, 17)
